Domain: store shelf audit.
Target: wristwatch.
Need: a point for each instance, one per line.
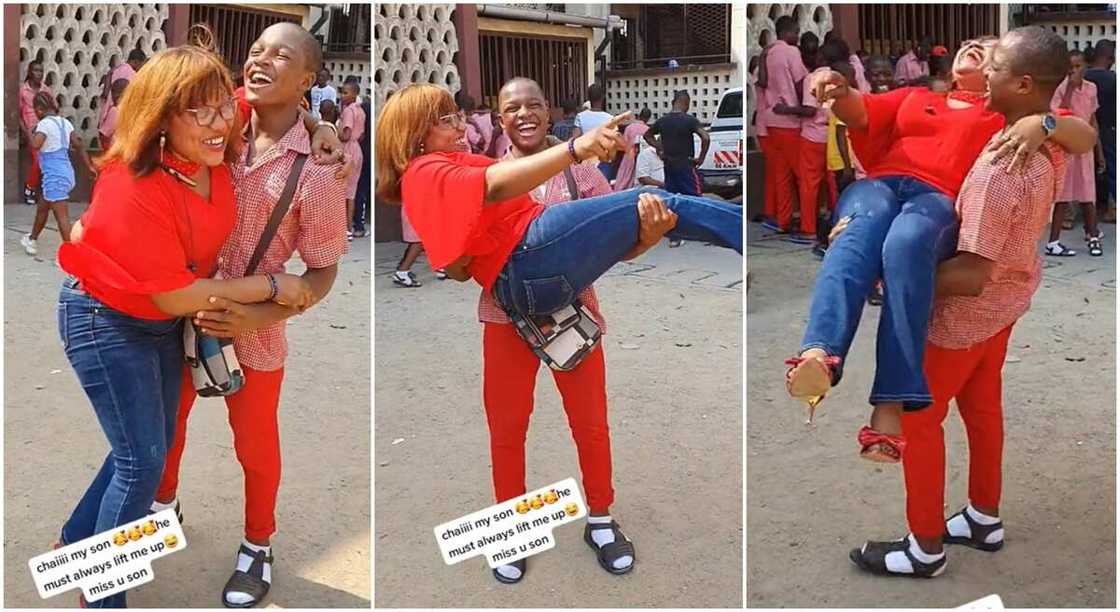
(1049, 124)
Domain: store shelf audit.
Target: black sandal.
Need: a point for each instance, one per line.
(1095, 248)
(872, 557)
(978, 534)
(608, 554)
(251, 583)
(519, 564)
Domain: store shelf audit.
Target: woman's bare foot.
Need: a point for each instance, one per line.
(886, 419)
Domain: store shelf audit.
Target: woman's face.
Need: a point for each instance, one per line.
(200, 134)
(968, 65)
(448, 135)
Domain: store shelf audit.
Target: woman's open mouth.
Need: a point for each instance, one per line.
(218, 143)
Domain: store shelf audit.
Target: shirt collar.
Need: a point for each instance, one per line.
(295, 139)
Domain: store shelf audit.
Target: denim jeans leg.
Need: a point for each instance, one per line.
(571, 245)
(121, 363)
(851, 265)
(923, 234)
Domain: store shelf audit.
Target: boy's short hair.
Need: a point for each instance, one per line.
(1040, 53)
(570, 105)
(645, 114)
(44, 101)
(681, 94)
(137, 55)
(785, 23)
(596, 92)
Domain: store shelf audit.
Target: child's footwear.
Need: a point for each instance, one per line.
(612, 555)
(903, 558)
(1057, 249)
(509, 576)
(441, 274)
(405, 279)
(29, 196)
(964, 528)
(158, 506)
(252, 578)
(30, 246)
(809, 382)
(1095, 248)
(872, 445)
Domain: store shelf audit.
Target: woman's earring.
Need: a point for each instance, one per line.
(162, 142)
(421, 148)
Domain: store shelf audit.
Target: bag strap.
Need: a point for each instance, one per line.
(573, 189)
(278, 212)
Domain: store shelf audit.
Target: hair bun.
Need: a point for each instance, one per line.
(200, 35)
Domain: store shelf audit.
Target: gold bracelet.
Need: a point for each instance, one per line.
(327, 124)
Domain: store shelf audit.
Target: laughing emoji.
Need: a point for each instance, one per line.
(120, 538)
(572, 509)
(551, 497)
(522, 507)
(171, 540)
(149, 528)
(135, 533)
(536, 503)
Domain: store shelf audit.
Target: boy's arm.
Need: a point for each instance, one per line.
(705, 143)
(842, 145)
(37, 139)
(651, 139)
(963, 274)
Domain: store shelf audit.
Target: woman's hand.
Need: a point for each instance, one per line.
(230, 318)
(1020, 139)
(293, 291)
(828, 86)
(655, 219)
(602, 142)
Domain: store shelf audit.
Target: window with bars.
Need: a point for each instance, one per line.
(349, 28)
(687, 33)
(892, 29)
(558, 64)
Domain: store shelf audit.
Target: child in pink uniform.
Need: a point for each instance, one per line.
(351, 128)
(1080, 97)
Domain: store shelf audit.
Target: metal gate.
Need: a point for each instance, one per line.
(235, 29)
(901, 25)
(558, 64)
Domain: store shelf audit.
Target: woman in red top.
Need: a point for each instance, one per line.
(476, 219)
(917, 147)
(142, 259)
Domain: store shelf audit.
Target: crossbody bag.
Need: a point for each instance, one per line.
(215, 370)
(564, 338)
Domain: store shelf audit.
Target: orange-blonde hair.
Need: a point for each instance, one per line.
(170, 82)
(402, 126)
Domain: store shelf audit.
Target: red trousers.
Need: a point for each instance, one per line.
(509, 374)
(813, 175)
(783, 162)
(34, 174)
(256, 439)
(974, 377)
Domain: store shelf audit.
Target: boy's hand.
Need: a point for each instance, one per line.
(656, 219)
(838, 229)
(326, 148)
(231, 318)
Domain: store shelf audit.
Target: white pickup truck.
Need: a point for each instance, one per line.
(722, 170)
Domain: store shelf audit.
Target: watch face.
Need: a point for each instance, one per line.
(1049, 123)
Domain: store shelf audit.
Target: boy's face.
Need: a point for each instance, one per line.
(322, 78)
(326, 108)
(349, 93)
(880, 76)
(35, 73)
(277, 70)
(1076, 69)
(524, 115)
(1005, 89)
(40, 112)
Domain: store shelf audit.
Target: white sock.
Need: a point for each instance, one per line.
(899, 563)
(1053, 244)
(243, 563)
(602, 537)
(158, 506)
(508, 571)
(402, 275)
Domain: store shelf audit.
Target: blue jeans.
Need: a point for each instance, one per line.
(131, 370)
(571, 245)
(900, 229)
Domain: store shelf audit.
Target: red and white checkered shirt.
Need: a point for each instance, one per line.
(1002, 216)
(590, 183)
(315, 225)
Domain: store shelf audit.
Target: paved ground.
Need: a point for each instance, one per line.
(674, 381)
(810, 498)
(53, 447)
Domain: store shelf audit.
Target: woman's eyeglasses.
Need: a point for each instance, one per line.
(453, 120)
(205, 115)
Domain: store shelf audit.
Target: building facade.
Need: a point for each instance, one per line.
(79, 44)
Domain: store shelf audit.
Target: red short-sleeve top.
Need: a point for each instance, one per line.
(140, 234)
(912, 132)
(444, 197)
